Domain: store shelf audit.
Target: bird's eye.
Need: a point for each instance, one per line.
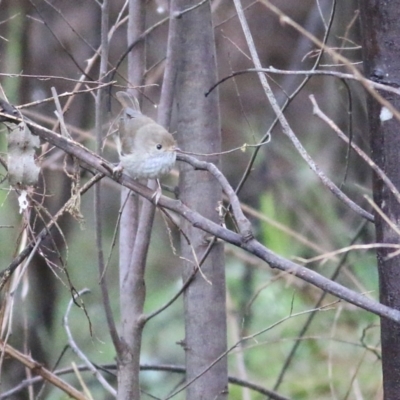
(159, 146)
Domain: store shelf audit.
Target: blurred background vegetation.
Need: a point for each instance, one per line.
(292, 213)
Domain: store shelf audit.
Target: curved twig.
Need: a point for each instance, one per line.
(80, 353)
(241, 220)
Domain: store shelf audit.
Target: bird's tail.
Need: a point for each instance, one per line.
(128, 100)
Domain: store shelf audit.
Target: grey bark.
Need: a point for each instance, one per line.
(199, 131)
(132, 285)
(381, 48)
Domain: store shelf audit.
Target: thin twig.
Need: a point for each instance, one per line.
(284, 19)
(311, 317)
(65, 94)
(7, 273)
(327, 256)
(66, 51)
(287, 102)
(289, 99)
(285, 124)
(243, 223)
(188, 281)
(47, 77)
(79, 352)
(114, 238)
(59, 113)
(308, 73)
(190, 278)
(243, 339)
(180, 13)
(317, 111)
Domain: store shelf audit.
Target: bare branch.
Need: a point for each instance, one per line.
(311, 72)
(335, 55)
(289, 99)
(79, 352)
(285, 124)
(317, 111)
(7, 273)
(66, 94)
(243, 223)
(310, 318)
(144, 367)
(244, 339)
(67, 52)
(40, 370)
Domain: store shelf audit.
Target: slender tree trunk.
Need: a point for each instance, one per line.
(132, 285)
(381, 32)
(199, 131)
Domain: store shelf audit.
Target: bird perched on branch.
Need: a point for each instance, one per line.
(146, 149)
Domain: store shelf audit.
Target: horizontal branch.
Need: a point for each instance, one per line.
(310, 72)
(198, 221)
(144, 367)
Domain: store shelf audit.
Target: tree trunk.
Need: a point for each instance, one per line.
(381, 30)
(199, 131)
(132, 285)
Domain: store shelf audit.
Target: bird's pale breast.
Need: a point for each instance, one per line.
(149, 167)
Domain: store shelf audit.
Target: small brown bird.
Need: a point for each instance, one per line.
(146, 149)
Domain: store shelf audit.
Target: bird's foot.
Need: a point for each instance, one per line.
(117, 171)
(157, 194)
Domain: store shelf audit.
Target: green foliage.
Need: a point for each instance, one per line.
(13, 54)
(273, 237)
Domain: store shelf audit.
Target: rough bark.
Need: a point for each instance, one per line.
(381, 31)
(199, 131)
